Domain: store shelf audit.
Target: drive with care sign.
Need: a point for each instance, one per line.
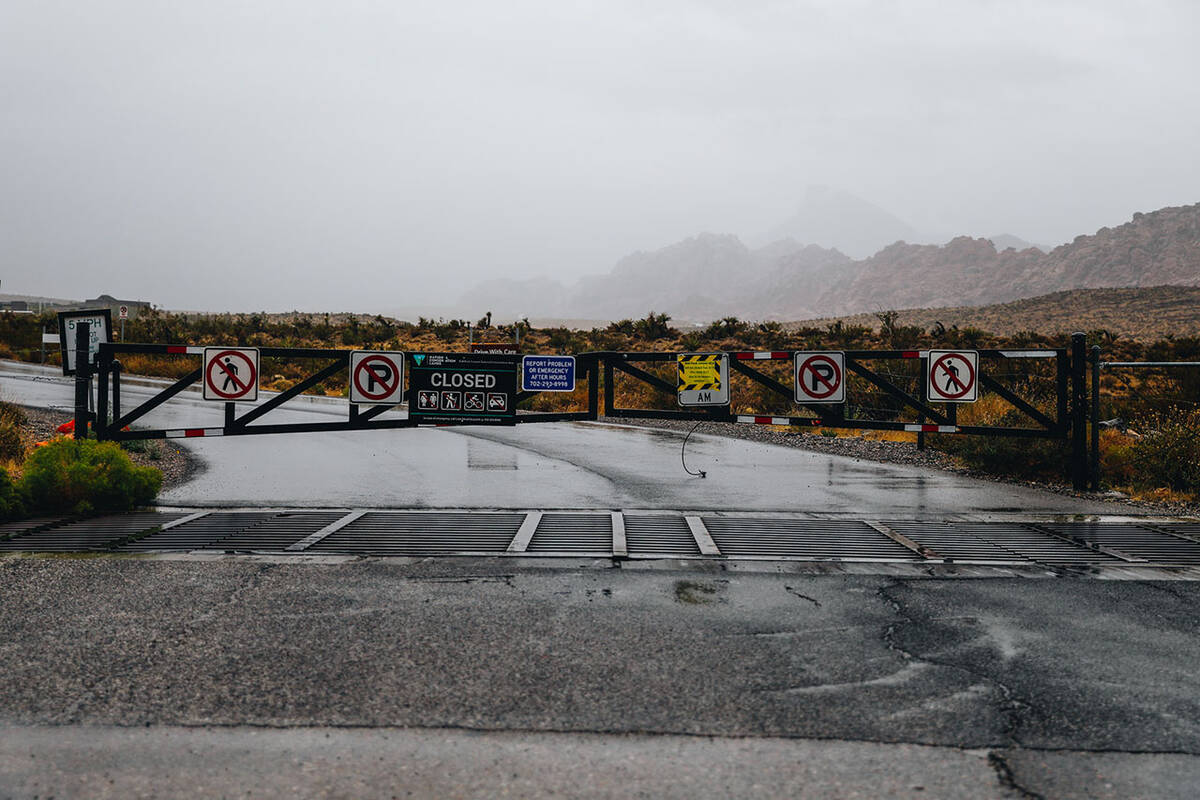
(463, 388)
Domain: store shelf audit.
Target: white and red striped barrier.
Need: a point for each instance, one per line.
(192, 433)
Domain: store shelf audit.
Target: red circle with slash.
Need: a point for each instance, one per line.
(244, 387)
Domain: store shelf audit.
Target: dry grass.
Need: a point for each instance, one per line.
(1144, 314)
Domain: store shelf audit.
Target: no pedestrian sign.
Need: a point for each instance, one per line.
(953, 376)
(231, 373)
(820, 378)
(376, 377)
(548, 374)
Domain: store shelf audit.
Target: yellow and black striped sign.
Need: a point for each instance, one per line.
(699, 371)
(703, 379)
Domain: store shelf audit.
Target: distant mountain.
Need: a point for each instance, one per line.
(1162, 247)
(835, 219)
(715, 275)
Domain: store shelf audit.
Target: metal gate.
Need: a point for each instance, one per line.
(886, 391)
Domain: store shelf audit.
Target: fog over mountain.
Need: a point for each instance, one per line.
(712, 275)
(303, 154)
(837, 219)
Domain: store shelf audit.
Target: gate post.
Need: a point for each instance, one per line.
(102, 396)
(116, 390)
(1079, 412)
(594, 388)
(83, 377)
(609, 394)
(1094, 465)
(923, 396)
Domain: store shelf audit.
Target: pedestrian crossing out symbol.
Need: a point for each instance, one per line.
(953, 376)
(230, 373)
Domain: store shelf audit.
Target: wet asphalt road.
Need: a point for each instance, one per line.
(1064, 687)
(559, 465)
(240, 676)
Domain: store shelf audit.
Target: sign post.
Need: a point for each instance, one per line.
(820, 378)
(230, 374)
(123, 312)
(953, 376)
(703, 379)
(83, 378)
(463, 388)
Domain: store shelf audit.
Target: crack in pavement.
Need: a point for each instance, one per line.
(1011, 709)
(1008, 780)
(796, 593)
(250, 582)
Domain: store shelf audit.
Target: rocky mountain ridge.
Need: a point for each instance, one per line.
(713, 275)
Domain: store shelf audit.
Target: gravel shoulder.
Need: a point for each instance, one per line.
(888, 452)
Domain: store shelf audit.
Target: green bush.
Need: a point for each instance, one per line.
(86, 476)
(12, 498)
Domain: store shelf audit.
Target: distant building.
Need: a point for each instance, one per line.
(15, 305)
(136, 307)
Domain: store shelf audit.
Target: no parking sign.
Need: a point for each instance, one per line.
(820, 377)
(376, 377)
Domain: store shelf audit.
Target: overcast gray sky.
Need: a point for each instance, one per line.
(240, 155)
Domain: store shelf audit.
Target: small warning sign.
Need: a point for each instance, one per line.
(231, 373)
(376, 377)
(703, 379)
(821, 377)
(953, 376)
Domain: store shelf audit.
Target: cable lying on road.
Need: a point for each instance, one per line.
(701, 473)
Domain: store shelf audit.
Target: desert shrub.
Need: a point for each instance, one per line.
(85, 476)
(1168, 454)
(11, 448)
(1002, 455)
(654, 326)
(1116, 458)
(12, 498)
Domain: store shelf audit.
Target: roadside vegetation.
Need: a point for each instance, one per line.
(63, 476)
(1151, 448)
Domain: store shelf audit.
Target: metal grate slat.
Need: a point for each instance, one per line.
(9, 530)
(804, 538)
(659, 535)
(1190, 530)
(956, 542)
(89, 534)
(278, 531)
(1028, 542)
(1133, 540)
(386, 533)
(573, 533)
(200, 533)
